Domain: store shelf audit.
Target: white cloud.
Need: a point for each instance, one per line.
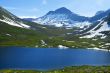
(10, 8)
(27, 16)
(44, 2)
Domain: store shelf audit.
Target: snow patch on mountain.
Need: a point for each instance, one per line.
(8, 34)
(61, 20)
(14, 23)
(96, 31)
(82, 24)
(57, 20)
(62, 47)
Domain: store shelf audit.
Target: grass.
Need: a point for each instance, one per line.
(73, 69)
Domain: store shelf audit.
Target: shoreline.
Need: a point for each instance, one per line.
(71, 69)
(99, 49)
(62, 48)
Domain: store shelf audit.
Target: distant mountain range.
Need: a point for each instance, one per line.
(64, 17)
(57, 28)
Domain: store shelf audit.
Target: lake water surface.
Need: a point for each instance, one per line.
(50, 58)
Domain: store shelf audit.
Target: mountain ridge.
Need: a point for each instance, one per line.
(94, 18)
(60, 17)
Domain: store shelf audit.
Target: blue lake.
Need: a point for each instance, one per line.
(50, 58)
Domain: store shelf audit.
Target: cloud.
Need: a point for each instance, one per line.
(44, 2)
(27, 16)
(10, 8)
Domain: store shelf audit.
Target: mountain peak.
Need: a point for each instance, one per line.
(63, 10)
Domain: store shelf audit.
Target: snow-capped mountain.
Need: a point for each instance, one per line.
(9, 18)
(89, 26)
(61, 17)
(64, 17)
(102, 26)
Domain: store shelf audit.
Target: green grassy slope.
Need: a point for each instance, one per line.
(18, 36)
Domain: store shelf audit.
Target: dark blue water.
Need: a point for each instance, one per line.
(50, 58)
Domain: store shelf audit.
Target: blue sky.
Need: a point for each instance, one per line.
(37, 8)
